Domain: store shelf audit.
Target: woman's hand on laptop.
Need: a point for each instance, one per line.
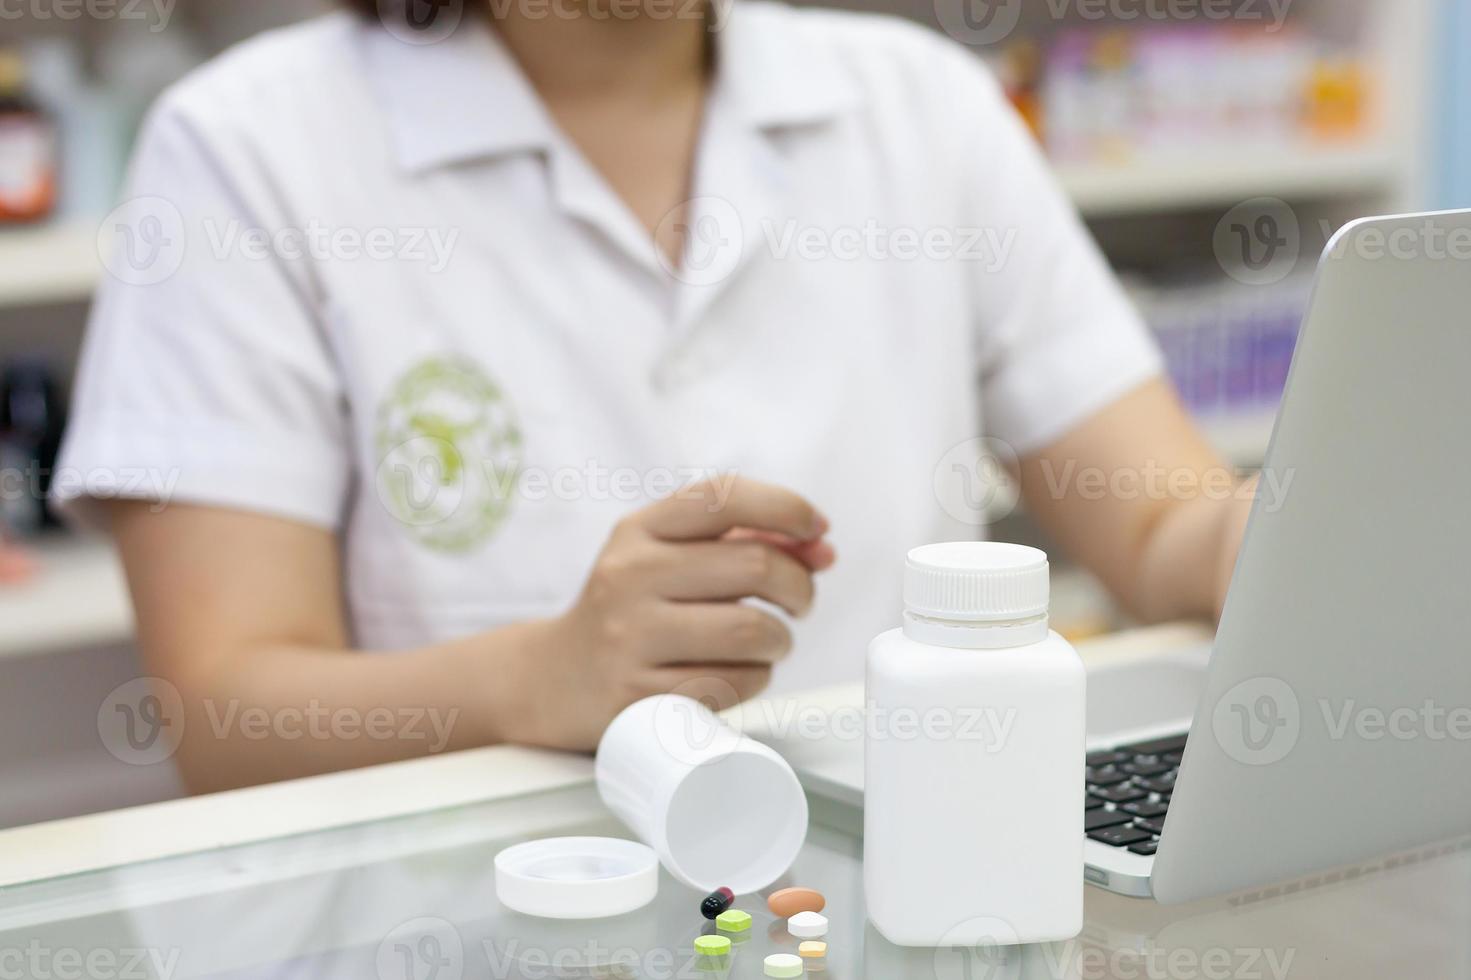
(661, 610)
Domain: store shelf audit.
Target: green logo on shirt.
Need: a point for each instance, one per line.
(448, 454)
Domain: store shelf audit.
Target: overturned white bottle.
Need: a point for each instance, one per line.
(973, 797)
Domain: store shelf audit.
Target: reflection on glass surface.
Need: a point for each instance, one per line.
(414, 899)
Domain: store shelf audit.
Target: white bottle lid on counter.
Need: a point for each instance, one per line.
(976, 582)
(576, 877)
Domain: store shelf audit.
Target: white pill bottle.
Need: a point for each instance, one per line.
(973, 798)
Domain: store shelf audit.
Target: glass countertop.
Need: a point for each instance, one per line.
(413, 898)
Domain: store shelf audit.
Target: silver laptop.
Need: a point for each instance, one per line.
(1330, 723)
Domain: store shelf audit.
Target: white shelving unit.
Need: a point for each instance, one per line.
(1242, 438)
(1164, 185)
(79, 600)
(60, 263)
(1387, 172)
(57, 263)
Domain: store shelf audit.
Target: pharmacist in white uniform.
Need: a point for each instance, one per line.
(504, 371)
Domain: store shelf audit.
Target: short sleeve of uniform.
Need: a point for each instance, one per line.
(206, 377)
(1057, 338)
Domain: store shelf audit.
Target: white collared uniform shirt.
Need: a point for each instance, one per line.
(367, 285)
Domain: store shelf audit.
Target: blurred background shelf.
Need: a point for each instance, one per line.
(1242, 437)
(78, 600)
(1200, 181)
(56, 263)
(59, 263)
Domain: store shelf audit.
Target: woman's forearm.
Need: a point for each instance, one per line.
(241, 616)
(281, 711)
(1186, 562)
(1141, 499)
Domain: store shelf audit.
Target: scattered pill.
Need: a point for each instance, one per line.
(789, 901)
(734, 920)
(712, 945)
(783, 965)
(807, 925)
(716, 902)
(812, 950)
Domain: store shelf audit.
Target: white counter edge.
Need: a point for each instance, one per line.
(178, 827)
(244, 816)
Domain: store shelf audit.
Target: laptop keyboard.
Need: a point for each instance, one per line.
(1129, 793)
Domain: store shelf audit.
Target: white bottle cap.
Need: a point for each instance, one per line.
(976, 582)
(576, 877)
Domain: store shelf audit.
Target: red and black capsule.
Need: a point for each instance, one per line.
(716, 902)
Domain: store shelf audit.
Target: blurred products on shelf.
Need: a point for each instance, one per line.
(1111, 95)
(32, 418)
(16, 564)
(66, 131)
(92, 140)
(1228, 345)
(137, 68)
(28, 154)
